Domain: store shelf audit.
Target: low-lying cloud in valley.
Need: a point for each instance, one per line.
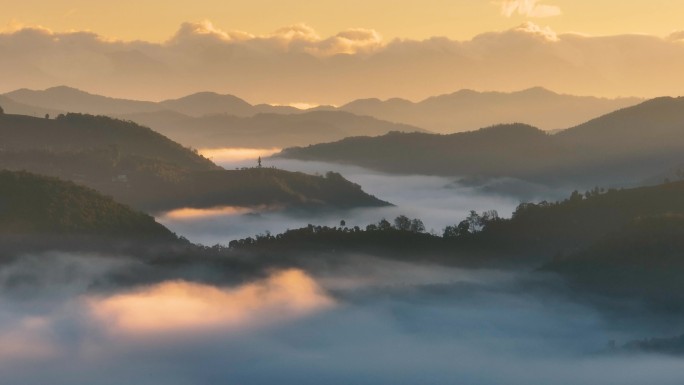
(175, 306)
(437, 201)
(344, 323)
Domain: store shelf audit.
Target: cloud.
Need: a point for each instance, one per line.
(528, 8)
(294, 38)
(296, 63)
(677, 36)
(395, 322)
(180, 305)
(190, 32)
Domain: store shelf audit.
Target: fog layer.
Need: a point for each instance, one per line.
(438, 201)
(363, 322)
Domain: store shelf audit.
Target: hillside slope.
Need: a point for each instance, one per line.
(69, 99)
(142, 168)
(622, 148)
(36, 205)
(264, 130)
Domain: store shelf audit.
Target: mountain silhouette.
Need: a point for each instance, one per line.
(148, 171)
(265, 129)
(624, 147)
(67, 99)
(467, 110)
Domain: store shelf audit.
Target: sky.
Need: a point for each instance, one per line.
(457, 19)
(333, 52)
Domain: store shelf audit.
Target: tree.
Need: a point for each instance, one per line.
(450, 232)
(343, 223)
(2, 112)
(475, 222)
(384, 225)
(402, 223)
(417, 226)
(259, 162)
(463, 228)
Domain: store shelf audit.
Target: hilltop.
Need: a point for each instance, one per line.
(142, 168)
(621, 243)
(232, 121)
(625, 147)
(265, 130)
(42, 212)
(466, 110)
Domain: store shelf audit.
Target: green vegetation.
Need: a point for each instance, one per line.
(405, 239)
(644, 260)
(617, 242)
(144, 169)
(37, 205)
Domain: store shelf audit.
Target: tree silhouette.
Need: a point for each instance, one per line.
(2, 112)
(402, 223)
(384, 225)
(259, 162)
(417, 226)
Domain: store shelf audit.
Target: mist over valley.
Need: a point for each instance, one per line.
(481, 193)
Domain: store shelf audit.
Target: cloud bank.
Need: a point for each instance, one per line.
(180, 305)
(392, 323)
(295, 63)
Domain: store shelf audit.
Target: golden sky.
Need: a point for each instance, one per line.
(416, 19)
(332, 52)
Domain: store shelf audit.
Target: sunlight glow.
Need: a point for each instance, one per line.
(237, 154)
(192, 213)
(181, 305)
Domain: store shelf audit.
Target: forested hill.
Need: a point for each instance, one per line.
(626, 243)
(621, 148)
(78, 132)
(36, 205)
(644, 259)
(150, 172)
(504, 150)
(535, 234)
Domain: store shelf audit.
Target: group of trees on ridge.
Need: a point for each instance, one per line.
(473, 225)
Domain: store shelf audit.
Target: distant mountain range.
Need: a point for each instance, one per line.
(148, 171)
(66, 99)
(265, 130)
(194, 118)
(624, 147)
(467, 110)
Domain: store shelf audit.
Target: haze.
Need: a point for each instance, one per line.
(477, 192)
(297, 52)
